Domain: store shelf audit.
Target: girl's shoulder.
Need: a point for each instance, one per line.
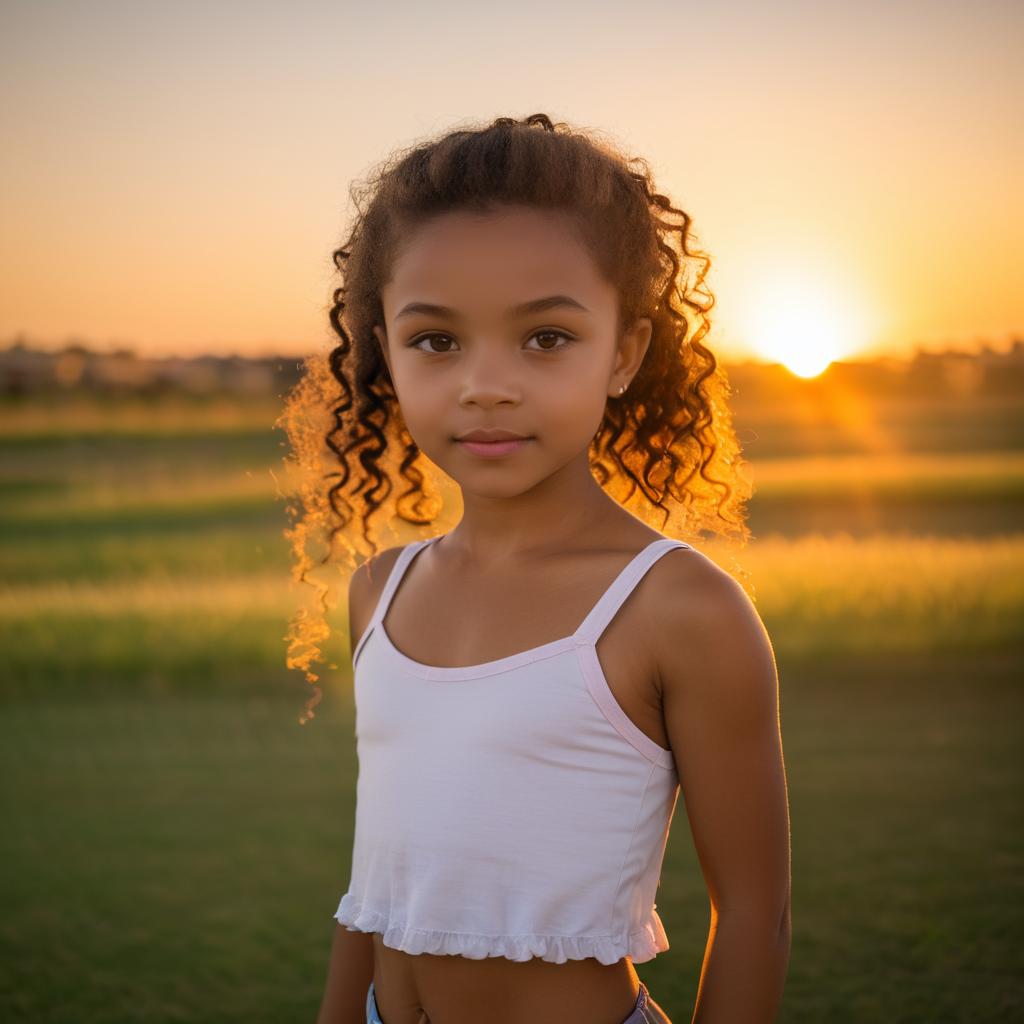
(692, 592)
(707, 626)
(374, 572)
(365, 586)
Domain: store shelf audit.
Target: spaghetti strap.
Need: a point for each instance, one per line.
(405, 557)
(622, 586)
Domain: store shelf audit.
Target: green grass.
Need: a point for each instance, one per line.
(903, 777)
(163, 622)
(170, 860)
(180, 858)
(175, 844)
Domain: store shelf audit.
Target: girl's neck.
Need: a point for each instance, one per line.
(489, 541)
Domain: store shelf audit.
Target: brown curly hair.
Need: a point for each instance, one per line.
(658, 443)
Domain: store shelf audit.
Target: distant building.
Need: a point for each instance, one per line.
(25, 370)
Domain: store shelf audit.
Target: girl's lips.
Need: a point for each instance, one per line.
(493, 449)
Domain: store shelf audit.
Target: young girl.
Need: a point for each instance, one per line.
(533, 685)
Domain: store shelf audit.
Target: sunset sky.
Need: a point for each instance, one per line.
(175, 175)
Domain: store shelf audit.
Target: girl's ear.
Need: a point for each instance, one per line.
(644, 331)
(631, 351)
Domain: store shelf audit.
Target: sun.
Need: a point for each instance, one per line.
(802, 321)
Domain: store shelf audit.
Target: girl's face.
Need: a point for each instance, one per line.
(470, 345)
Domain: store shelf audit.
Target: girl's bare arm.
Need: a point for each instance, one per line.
(350, 968)
(720, 701)
(349, 974)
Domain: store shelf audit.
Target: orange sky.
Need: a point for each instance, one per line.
(176, 175)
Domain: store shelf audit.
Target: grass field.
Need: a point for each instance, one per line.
(175, 844)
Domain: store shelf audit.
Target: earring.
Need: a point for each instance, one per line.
(621, 389)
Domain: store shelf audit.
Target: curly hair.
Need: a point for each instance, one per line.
(666, 448)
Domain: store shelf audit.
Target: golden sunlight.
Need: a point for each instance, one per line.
(800, 321)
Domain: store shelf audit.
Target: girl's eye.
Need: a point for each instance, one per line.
(553, 334)
(538, 334)
(426, 337)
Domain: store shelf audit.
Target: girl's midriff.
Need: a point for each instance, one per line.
(428, 989)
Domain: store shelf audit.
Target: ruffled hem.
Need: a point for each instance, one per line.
(640, 946)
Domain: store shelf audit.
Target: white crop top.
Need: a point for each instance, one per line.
(509, 808)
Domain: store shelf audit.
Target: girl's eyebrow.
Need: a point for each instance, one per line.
(525, 308)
